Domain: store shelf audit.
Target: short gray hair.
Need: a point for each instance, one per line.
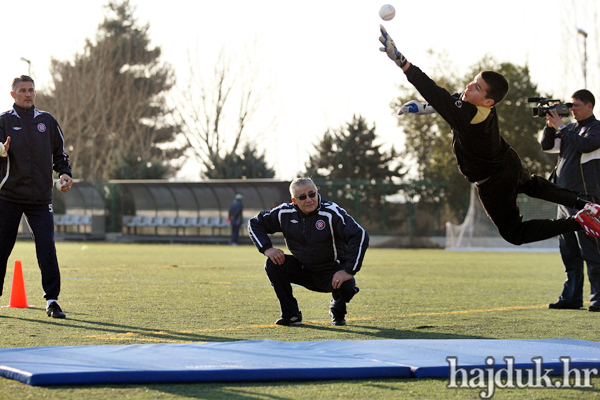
(19, 79)
(301, 182)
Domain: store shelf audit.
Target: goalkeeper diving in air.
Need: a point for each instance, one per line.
(486, 159)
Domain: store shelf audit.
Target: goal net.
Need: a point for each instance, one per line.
(478, 233)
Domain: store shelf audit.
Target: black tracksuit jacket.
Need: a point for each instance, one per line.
(578, 165)
(327, 238)
(37, 147)
(479, 149)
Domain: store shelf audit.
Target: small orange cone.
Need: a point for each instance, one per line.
(18, 298)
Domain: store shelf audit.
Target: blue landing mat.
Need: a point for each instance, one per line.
(268, 360)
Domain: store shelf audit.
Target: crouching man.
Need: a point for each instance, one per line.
(327, 248)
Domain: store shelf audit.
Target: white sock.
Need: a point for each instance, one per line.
(50, 301)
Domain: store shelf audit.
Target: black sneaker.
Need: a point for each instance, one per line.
(594, 307)
(54, 311)
(563, 305)
(295, 320)
(337, 315)
(337, 319)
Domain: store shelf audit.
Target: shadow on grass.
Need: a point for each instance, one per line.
(129, 332)
(232, 390)
(387, 387)
(389, 333)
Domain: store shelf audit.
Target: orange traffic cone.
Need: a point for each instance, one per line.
(18, 298)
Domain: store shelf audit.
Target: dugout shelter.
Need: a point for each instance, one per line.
(80, 213)
(166, 208)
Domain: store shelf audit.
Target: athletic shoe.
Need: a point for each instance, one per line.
(589, 221)
(337, 315)
(54, 311)
(594, 209)
(564, 305)
(594, 307)
(295, 320)
(337, 319)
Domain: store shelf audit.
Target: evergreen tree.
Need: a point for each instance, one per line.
(248, 165)
(111, 102)
(348, 155)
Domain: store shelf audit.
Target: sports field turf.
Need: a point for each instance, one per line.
(125, 293)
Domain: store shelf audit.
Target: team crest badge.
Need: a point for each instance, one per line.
(458, 104)
(41, 127)
(320, 224)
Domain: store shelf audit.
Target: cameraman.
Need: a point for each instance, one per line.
(578, 168)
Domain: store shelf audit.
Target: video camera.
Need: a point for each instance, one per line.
(544, 107)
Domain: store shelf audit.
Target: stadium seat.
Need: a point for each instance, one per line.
(178, 222)
(201, 222)
(213, 223)
(145, 222)
(167, 222)
(157, 222)
(190, 222)
(58, 221)
(71, 220)
(132, 222)
(217, 223)
(86, 220)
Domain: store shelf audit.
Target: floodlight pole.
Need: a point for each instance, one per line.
(28, 65)
(585, 35)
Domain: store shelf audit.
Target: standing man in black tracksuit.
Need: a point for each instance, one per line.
(485, 158)
(33, 147)
(327, 248)
(236, 211)
(578, 169)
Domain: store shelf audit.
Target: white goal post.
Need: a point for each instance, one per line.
(478, 233)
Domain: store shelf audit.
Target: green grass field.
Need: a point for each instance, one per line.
(125, 294)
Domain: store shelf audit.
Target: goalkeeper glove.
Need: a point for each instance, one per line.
(390, 48)
(414, 107)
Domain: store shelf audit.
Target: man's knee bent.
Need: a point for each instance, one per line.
(277, 269)
(347, 290)
(270, 266)
(511, 236)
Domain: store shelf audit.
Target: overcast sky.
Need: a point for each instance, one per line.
(322, 57)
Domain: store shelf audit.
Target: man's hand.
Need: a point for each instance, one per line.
(67, 182)
(339, 278)
(415, 107)
(276, 255)
(6, 145)
(390, 48)
(554, 120)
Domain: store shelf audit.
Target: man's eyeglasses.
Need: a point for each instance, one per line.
(303, 197)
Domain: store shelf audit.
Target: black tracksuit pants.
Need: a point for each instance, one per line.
(282, 276)
(41, 221)
(498, 197)
(575, 248)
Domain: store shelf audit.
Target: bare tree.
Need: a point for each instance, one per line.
(216, 110)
